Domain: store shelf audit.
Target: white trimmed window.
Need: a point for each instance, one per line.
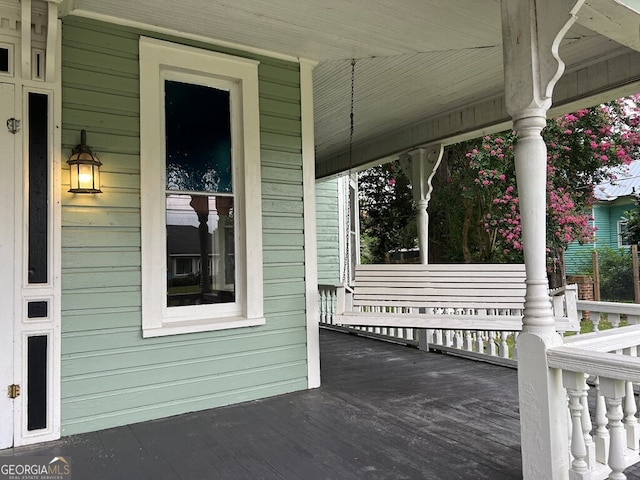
(200, 190)
(622, 234)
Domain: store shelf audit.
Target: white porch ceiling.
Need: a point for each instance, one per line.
(426, 69)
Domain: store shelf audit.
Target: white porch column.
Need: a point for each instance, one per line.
(532, 31)
(424, 163)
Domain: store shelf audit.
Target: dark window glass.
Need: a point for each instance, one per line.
(38, 187)
(37, 382)
(198, 138)
(199, 202)
(4, 59)
(37, 309)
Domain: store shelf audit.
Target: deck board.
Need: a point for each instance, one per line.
(384, 412)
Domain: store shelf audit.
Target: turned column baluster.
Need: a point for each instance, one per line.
(468, 340)
(586, 424)
(324, 305)
(631, 425)
(573, 382)
(457, 339)
(492, 344)
(614, 391)
(504, 346)
(448, 338)
(480, 338)
(630, 421)
(601, 434)
(438, 337)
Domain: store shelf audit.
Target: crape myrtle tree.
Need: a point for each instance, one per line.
(481, 173)
(473, 212)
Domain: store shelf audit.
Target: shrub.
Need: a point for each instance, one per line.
(616, 274)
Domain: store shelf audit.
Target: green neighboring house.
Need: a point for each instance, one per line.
(613, 199)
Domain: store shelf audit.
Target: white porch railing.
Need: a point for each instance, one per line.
(493, 346)
(611, 310)
(603, 365)
(604, 448)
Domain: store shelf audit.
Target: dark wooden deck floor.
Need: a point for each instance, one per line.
(384, 412)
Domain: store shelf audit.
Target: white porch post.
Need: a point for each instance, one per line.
(424, 163)
(532, 31)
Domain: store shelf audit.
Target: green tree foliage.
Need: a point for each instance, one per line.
(387, 212)
(473, 212)
(632, 232)
(475, 188)
(616, 274)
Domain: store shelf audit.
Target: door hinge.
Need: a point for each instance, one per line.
(13, 391)
(13, 125)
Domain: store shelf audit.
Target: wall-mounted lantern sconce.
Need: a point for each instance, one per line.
(85, 168)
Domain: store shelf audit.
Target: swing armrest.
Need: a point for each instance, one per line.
(344, 299)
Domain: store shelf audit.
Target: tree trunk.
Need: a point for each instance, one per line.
(465, 232)
(556, 276)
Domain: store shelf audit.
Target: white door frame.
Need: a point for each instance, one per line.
(8, 143)
(34, 68)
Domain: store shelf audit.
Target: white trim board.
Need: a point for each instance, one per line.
(310, 238)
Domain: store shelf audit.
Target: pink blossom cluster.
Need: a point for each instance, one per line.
(572, 225)
(579, 146)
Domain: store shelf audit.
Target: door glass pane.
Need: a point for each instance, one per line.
(200, 249)
(37, 382)
(4, 60)
(38, 187)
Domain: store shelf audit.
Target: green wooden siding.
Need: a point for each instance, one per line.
(110, 374)
(607, 216)
(328, 232)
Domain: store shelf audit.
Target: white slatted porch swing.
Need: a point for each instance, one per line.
(457, 297)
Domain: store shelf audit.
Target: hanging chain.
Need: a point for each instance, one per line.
(346, 272)
(353, 89)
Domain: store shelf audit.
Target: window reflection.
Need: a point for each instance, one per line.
(198, 130)
(200, 249)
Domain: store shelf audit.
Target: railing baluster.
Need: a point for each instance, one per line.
(468, 341)
(613, 391)
(586, 425)
(573, 382)
(448, 338)
(601, 434)
(439, 339)
(504, 346)
(630, 421)
(457, 339)
(480, 336)
(492, 344)
(322, 304)
(614, 319)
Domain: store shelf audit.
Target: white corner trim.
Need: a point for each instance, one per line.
(310, 240)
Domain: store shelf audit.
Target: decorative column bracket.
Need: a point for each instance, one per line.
(27, 18)
(422, 163)
(52, 39)
(531, 34)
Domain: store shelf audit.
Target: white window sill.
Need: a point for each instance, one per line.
(203, 325)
